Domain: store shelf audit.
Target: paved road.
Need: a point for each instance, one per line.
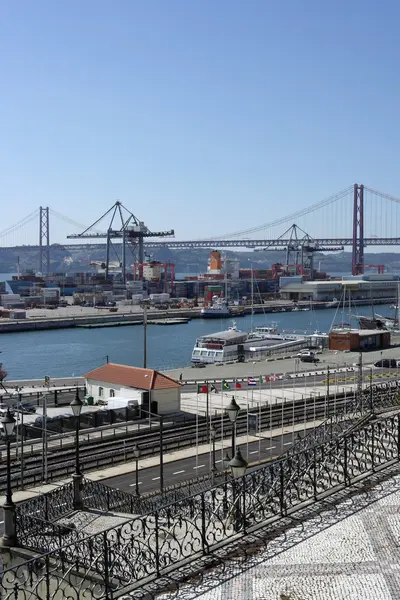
(190, 467)
(187, 468)
(263, 367)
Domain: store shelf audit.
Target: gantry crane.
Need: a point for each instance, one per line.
(129, 229)
(300, 250)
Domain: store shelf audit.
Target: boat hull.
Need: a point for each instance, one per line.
(215, 314)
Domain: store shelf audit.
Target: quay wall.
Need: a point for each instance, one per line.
(136, 318)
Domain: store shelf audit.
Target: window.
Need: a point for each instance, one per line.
(112, 393)
(100, 391)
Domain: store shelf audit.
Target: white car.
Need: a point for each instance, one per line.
(305, 353)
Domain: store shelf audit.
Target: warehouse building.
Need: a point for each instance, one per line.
(377, 287)
(358, 340)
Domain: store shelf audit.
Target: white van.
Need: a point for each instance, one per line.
(119, 402)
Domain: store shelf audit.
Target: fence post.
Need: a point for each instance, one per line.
(345, 464)
(244, 505)
(108, 498)
(315, 489)
(157, 545)
(48, 580)
(373, 446)
(46, 507)
(203, 525)
(398, 437)
(281, 489)
(106, 571)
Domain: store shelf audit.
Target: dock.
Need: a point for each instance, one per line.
(173, 321)
(112, 324)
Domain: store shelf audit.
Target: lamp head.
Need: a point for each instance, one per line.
(76, 404)
(232, 410)
(238, 465)
(8, 423)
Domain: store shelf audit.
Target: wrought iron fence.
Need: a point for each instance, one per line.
(148, 547)
(48, 507)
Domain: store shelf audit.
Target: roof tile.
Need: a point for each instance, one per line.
(142, 379)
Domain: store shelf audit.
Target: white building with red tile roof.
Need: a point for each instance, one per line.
(145, 385)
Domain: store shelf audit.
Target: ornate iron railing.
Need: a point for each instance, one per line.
(48, 507)
(148, 547)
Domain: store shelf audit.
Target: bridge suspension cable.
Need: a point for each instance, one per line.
(12, 228)
(292, 216)
(70, 221)
(383, 195)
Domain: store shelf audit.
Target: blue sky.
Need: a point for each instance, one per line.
(204, 116)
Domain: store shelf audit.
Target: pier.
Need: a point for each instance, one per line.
(74, 316)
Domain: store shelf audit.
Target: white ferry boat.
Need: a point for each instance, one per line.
(272, 333)
(219, 347)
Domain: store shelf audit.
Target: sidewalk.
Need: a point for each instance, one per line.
(146, 463)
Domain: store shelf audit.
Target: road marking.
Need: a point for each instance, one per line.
(287, 444)
(1, 522)
(133, 484)
(253, 452)
(154, 478)
(271, 448)
(177, 472)
(199, 467)
(218, 461)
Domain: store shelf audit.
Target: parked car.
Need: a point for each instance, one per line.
(310, 358)
(39, 421)
(388, 363)
(303, 353)
(25, 408)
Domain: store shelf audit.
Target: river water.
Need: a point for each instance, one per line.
(73, 352)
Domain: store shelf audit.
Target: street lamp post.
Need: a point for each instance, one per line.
(76, 407)
(213, 435)
(10, 530)
(371, 391)
(136, 455)
(226, 461)
(161, 453)
(232, 411)
(238, 467)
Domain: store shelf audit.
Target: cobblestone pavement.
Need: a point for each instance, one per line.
(354, 557)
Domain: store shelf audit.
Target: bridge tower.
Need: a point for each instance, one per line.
(44, 241)
(357, 263)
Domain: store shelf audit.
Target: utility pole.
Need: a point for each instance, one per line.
(161, 453)
(144, 336)
(327, 392)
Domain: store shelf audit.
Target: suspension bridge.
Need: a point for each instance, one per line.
(357, 216)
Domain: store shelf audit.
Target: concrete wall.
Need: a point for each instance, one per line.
(169, 401)
(93, 388)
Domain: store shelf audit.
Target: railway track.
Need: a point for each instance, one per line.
(102, 453)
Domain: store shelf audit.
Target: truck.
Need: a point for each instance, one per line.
(120, 402)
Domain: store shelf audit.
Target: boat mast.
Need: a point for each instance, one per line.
(344, 304)
(372, 301)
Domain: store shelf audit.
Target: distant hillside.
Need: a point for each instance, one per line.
(191, 260)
